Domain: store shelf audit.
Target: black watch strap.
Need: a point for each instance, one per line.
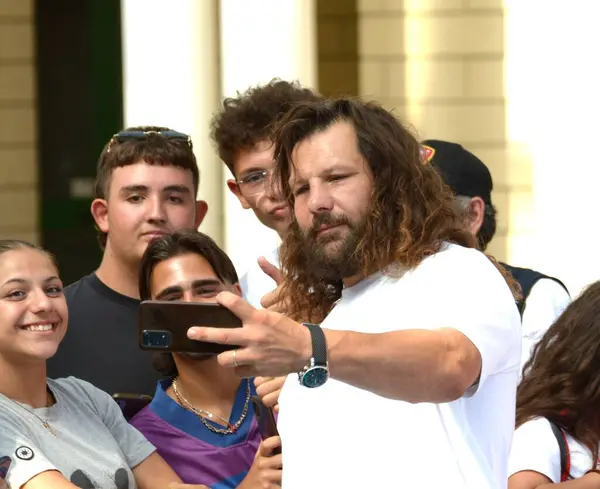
(319, 345)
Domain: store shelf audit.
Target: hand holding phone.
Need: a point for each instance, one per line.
(163, 325)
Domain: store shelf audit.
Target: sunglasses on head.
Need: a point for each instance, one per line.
(123, 136)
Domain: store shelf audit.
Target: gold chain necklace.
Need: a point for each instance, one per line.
(202, 413)
(49, 399)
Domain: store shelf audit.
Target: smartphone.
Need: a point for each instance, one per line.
(131, 404)
(163, 325)
(266, 421)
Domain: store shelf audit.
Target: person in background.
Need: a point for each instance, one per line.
(543, 298)
(558, 429)
(201, 419)
(65, 433)
(242, 132)
(146, 186)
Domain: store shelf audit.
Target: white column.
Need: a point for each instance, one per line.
(552, 80)
(171, 78)
(261, 40)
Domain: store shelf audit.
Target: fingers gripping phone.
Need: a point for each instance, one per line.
(163, 325)
(266, 421)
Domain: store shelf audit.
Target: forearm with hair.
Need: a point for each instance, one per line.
(410, 365)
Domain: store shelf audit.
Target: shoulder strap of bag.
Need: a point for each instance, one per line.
(565, 455)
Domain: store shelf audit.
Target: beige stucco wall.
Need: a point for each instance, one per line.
(18, 170)
(440, 65)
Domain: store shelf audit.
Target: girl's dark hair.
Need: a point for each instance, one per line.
(170, 246)
(7, 245)
(561, 380)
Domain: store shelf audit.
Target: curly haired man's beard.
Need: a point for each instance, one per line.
(332, 257)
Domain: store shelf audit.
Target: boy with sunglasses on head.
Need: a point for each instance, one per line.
(242, 132)
(146, 185)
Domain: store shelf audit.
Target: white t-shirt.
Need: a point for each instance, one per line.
(255, 283)
(546, 301)
(338, 435)
(535, 448)
(94, 445)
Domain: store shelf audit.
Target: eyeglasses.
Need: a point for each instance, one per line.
(123, 136)
(254, 183)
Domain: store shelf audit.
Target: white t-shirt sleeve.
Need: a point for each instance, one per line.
(476, 300)
(547, 300)
(133, 444)
(534, 447)
(19, 450)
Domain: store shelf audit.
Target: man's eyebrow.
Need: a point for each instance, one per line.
(178, 289)
(127, 189)
(169, 290)
(339, 168)
(177, 188)
(133, 188)
(205, 281)
(253, 169)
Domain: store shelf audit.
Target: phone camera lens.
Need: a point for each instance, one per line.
(156, 339)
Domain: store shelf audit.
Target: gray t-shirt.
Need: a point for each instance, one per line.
(94, 447)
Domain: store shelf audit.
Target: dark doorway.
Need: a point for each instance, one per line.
(80, 106)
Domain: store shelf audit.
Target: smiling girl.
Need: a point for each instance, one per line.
(61, 433)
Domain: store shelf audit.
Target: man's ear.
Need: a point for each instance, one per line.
(201, 210)
(475, 215)
(99, 209)
(234, 188)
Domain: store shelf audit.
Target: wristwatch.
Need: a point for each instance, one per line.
(316, 373)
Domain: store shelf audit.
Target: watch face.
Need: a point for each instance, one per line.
(315, 377)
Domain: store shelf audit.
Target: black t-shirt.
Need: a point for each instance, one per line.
(101, 344)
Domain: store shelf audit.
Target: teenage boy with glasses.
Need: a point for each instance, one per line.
(242, 132)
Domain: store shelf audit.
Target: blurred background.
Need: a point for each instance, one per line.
(516, 82)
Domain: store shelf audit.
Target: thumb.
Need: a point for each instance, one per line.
(270, 269)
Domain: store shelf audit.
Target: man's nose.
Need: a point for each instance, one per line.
(320, 198)
(156, 209)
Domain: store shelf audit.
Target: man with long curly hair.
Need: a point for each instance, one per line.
(406, 374)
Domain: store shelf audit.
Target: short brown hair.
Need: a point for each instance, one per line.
(154, 150)
(248, 119)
